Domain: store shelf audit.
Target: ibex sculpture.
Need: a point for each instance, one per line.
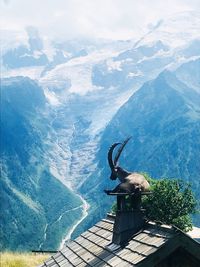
(130, 181)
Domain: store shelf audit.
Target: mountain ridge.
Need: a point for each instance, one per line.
(31, 197)
(165, 142)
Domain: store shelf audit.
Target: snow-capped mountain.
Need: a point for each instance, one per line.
(94, 86)
(176, 30)
(85, 83)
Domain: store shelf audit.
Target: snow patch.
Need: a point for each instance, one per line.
(31, 72)
(113, 65)
(135, 74)
(52, 98)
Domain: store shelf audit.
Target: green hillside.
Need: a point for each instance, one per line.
(32, 200)
(163, 118)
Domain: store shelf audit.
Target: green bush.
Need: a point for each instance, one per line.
(171, 202)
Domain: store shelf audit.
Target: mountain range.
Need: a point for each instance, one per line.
(63, 107)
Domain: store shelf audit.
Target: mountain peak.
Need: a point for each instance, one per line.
(22, 93)
(176, 30)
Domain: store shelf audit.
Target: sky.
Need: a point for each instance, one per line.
(110, 19)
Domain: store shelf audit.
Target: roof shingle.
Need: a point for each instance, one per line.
(92, 247)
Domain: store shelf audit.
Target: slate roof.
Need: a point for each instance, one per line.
(92, 247)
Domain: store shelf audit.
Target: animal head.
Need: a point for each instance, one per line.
(115, 169)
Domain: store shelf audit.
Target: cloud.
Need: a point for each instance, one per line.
(6, 2)
(89, 18)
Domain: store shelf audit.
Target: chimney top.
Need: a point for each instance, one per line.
(129, 218)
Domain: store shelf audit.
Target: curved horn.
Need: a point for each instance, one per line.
(110, 152)
(120, 150)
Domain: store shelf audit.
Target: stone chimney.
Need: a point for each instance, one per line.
(129, 218)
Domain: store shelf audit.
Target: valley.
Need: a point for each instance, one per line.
(61, 114)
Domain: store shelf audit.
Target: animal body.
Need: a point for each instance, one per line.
(130, 181)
